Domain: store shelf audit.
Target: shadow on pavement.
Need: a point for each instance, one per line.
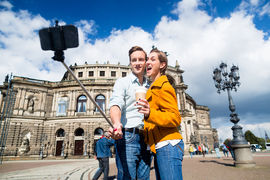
(217, 162)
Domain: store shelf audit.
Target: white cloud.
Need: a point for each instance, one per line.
(88, 27)
(113, 49)
(265, 10)
(254, 2)
(20, 47)
(6, 5)
(201, 43)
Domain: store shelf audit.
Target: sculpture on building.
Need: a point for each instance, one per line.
(30, 107)
(25, 146)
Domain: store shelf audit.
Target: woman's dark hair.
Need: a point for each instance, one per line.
(162, 57)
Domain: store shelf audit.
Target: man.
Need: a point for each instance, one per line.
(103, 152)
(229, 144)
(132, 157)
(216, 147)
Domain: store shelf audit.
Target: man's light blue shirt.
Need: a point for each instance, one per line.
(123, 96)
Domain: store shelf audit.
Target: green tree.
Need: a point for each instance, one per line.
(261, 142)
(251, 138)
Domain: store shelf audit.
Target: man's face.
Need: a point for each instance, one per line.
(137, 62)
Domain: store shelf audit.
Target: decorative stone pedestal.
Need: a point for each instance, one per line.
(243, 156)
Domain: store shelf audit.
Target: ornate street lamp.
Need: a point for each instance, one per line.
(229, 81)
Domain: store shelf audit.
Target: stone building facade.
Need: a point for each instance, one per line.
(57, 119)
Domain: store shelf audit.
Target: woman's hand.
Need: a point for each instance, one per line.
(143, 107)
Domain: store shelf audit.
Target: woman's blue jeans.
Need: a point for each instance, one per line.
(168, 162)
(132, 159)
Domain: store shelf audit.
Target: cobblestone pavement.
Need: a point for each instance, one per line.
(49, 169)
(198, 168)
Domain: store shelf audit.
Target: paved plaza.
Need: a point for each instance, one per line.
(197, 168)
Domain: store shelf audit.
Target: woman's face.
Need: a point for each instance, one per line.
(153, 66)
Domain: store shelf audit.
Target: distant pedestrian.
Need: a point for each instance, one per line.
(199, 150)
(216, 147)
(206, 150)
(191, 150)
(103, 152)
(225, 150)
(203, 150)
(229, 145)
(195, 150)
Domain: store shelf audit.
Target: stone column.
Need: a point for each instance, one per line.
(92, 106)
(107, 101)
(191, 127)
(53, 104)
(186, 131)
(22, 102)
(17, 102)
(71, 109)
(42, 107)
(178, 100)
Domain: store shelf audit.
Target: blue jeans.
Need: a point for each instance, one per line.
(217, 152)
(168, 162)
(103, 167)
(132, 159)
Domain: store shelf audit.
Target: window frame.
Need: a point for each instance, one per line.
(82, 102)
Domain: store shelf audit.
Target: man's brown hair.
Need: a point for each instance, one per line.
(162, 57)
(136, 48)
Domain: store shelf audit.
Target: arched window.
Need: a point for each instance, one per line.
(81, 104)
(60, 133)
(100, 100)
(99, 131)
(79, 132)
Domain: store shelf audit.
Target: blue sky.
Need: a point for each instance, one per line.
(198, 33)
(121, 14)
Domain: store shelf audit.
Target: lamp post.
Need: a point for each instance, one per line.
(229, 81)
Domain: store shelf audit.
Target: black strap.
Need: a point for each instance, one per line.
(131, 130)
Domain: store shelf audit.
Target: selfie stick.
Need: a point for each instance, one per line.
(60, 38)
(59, 56)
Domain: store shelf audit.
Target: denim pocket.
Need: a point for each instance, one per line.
(129, 137)
(180, 146)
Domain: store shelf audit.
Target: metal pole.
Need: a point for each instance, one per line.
(231, 104)
(241, 148)
(87, 93)
(5, 104)
(5, 117)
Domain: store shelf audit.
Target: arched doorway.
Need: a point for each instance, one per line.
(60, 134)
(79, 141)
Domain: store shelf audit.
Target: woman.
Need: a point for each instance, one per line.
(191, 150)
(162, 119)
